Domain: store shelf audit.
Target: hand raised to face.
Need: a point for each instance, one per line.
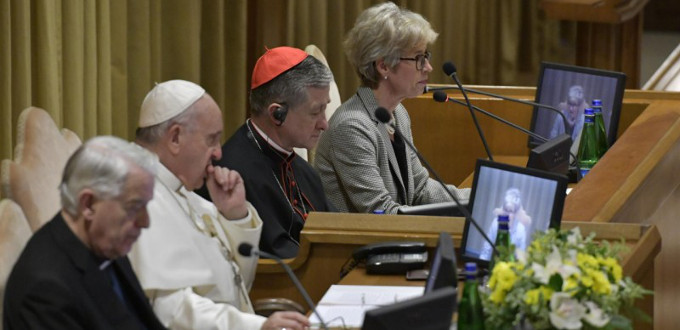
(227, 191)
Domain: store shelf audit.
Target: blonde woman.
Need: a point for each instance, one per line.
(363, 165)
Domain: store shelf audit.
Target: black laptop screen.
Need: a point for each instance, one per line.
(443, 271)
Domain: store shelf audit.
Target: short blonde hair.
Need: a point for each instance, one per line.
(384, 31)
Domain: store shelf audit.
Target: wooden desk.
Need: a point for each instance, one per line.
(510, 160)
(445, 134)
(329, 239)
(358, 276)
(638, 180)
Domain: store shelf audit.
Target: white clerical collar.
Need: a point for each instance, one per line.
(270, 141)
(168, 178)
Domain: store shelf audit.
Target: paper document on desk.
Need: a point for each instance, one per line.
(348, 303)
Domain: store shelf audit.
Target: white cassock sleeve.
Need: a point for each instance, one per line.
(184, 309)
(183, 271)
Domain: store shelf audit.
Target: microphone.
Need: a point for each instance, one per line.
(384, 116)
(247, 250)
(428, 89)
(450, 71)
(440, 96)
(507, 98)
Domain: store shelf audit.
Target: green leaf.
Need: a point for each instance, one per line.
(555, 282)
(619, 322)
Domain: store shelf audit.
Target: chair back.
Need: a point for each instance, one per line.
(14, 233)
(334, 94)
(32, 178)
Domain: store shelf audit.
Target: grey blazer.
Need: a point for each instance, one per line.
(358, 166)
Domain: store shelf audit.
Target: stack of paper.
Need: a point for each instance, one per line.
(345, 305)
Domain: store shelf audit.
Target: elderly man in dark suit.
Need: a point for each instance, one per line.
(74, 273)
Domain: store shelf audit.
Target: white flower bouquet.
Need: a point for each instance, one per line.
(562, 281)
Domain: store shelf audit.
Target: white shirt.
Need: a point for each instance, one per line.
(188, 275)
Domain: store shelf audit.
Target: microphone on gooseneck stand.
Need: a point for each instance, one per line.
(450, 71)
(498, 96)
(384, 116)
(441, 96)
(247, 250)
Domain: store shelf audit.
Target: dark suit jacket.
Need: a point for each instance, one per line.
(57, 284)
(281, 227)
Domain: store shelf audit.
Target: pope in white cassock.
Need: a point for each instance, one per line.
(187, 261)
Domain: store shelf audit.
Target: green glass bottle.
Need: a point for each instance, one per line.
(503, 234)
(599, 124)
(470, 313)
(502, 243)
(588, 149)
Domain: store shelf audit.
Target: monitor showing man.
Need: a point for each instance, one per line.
(187, 263)
(288, 98)
(74, 273)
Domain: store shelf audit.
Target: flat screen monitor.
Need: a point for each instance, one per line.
(571, 89)
(433, 311)
(443, 269)
(552, 156)
(446, 209)
(533, 199)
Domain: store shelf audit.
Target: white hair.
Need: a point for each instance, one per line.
(102, 164)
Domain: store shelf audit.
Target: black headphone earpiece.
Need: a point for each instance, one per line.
(280, 114)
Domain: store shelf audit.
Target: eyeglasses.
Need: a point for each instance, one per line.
(419, 59)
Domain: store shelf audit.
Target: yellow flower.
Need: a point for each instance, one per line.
(535, 247)
(618, 273)
(502, 279)
(613, 267)
(497, 296)
(587, 279)
(571, 284)
(609, 262)
(601, 284)
(505, 275)
(591, 283)
(586, 261)
(532, 296)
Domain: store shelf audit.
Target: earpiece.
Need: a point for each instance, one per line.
(280, 114)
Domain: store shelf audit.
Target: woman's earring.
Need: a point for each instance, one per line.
(385, 77)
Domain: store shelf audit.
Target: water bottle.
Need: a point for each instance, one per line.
(470, 314)
(503, 235)
(588, 150)
(502, 243)
(599, 124)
